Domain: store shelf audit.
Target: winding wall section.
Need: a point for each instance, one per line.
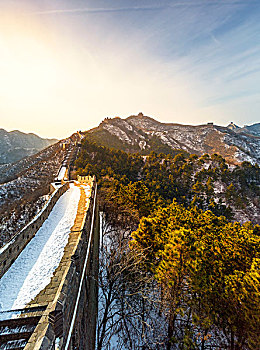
(10, 251)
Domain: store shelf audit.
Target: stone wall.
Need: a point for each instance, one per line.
(84, 178)
(53, 330)
(10, 251)
(83, 336)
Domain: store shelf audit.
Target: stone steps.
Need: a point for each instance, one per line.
(16, 327)
(14, 344)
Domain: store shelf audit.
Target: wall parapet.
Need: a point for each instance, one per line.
(82, 179)
(12, 249)
(69, 320)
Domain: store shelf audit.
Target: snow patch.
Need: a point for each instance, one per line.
(62, 173)
(142, 144)
(114, 130)
(32, 270)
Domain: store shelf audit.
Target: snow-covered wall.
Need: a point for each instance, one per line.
(76, 279)
(10, 251)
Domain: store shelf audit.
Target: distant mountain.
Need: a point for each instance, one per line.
(15, 145)
(253, 129)
(144, 134)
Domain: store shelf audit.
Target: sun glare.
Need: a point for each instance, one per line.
(27, 66)
(49, 74)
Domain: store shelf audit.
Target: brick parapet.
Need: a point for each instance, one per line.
(11, 250)
(60, 295)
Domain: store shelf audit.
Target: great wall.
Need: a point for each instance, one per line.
(62, 314)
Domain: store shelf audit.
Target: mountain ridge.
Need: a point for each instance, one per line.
(16, 145)
(139, 133)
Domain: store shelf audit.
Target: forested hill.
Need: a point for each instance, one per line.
(144, 134)
(207, 182)
(176, 270)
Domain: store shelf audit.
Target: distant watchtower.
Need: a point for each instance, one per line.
(84, 179)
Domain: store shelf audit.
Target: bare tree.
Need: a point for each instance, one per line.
(128, 296)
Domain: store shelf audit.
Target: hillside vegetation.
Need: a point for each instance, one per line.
(207, 182)
(177, 268)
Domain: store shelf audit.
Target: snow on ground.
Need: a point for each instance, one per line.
(32, 270)
(62, 173)
(87, 189)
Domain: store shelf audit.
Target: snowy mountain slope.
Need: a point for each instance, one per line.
(25, 185)
(137, 134)
(24, 194)
(253, 129)
(15, 145)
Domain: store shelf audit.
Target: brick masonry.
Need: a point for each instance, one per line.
(10, 251)
(60, 294)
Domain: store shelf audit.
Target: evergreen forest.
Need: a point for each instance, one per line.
(179, 259)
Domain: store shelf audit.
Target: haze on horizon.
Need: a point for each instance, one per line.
(66, 65)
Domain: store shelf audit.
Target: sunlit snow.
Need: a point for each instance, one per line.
(62, 173)
(33, 269)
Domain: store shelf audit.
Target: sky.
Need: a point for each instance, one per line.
(66, 65)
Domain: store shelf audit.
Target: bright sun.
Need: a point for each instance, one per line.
(27, 66)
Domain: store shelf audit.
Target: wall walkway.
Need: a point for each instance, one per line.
(71, 296)
(10, 251)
